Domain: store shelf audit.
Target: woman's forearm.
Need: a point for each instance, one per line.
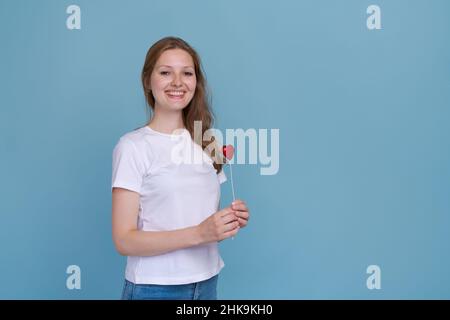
(151, 243)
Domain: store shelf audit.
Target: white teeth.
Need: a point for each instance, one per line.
(176, 93)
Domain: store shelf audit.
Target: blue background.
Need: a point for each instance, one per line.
(364, 141)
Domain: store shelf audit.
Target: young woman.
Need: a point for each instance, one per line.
(165, 215)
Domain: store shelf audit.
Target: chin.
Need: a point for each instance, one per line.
(175, 107)
(178, 105)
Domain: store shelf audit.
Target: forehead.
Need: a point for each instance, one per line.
(176, 58)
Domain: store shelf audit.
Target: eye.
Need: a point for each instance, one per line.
(188, 73)
(163, 73)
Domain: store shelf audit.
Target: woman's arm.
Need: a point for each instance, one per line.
(132, 242)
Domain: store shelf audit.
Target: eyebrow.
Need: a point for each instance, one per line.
(164, 65)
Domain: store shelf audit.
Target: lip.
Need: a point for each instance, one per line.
(175, 97)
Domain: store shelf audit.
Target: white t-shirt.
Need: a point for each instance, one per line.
(173, 195)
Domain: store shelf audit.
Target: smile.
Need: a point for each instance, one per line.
(175, 95)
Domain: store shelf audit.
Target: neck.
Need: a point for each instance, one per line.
(166, 121)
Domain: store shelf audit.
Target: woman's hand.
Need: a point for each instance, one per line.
(242, 212)
(219, 226)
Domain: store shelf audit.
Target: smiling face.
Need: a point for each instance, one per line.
(173, 80)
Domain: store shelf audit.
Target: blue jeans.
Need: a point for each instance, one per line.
(202, 290)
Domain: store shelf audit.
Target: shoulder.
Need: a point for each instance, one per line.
(138, 138)
(134, 137)
(137, 143)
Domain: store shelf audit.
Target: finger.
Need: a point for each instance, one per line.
(237, 201)
(243, 214)
(230, 226)
(226, 211)
(239, 206)
(231, 233)
(242, 222)
(229, 217)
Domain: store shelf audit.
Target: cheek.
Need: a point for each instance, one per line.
(191, 84)
(159, 84)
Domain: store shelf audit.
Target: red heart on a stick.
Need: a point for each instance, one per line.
(228, 151)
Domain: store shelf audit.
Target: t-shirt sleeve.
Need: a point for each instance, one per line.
(221, 175)
(127, 166)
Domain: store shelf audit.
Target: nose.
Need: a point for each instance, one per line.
(176, 82)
